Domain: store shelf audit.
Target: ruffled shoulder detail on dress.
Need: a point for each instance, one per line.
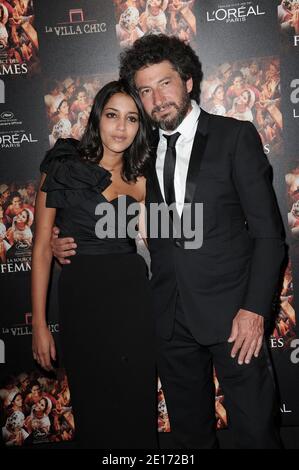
(69, 179)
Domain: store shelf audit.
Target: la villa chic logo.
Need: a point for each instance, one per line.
(235, 12)
(76, 23)
(25, 328)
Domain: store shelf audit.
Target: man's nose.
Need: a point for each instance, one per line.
(157, 98)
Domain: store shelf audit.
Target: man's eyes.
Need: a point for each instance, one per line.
(146, 91)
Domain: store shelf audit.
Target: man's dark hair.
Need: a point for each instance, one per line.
(153, 49)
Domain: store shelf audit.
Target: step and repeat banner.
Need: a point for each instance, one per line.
(54, 57)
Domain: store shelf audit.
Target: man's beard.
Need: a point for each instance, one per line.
(171, 123)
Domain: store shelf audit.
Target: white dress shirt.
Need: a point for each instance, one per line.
(183, 147)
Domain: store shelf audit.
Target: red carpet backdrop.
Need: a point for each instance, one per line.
(54, 56)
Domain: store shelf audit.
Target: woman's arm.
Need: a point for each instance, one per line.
(43, 345)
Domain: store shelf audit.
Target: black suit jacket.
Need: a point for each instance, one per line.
(239, 262)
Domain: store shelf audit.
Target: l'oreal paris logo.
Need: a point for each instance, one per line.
(234, 14)
(16, 140)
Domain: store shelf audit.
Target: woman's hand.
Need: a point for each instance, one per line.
(43, 347)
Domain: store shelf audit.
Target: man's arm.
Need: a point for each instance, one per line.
(62, 248)
(252, 178)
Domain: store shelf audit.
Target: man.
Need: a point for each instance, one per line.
(210, 302)
(29, 193)
(69, 88)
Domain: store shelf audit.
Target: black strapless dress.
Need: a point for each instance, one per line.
(106, 318)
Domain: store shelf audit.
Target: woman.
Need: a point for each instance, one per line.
(33, 396)
(53, 97)
(81, 103)
(106, 320)
(127, 30)
(20, 230)
(38, 422)
(16, 403)
(17, 205)
(79, 128)
(216, 103)
(242, 106)
(13, 432)
(154, 18)
(237, 86)
(63, 126)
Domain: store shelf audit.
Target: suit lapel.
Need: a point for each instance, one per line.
(198, 150)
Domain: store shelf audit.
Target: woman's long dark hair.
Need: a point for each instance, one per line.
(91, 147)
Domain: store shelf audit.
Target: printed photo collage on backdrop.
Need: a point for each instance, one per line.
(288, 21)
(135, 18)
(248, 90)
(247, 81)
(36, 409)
(18, 39)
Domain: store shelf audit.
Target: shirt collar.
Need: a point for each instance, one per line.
(186, 128)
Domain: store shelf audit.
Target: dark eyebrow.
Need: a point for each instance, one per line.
(148, 86)
(165, 78)
(117, 110)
